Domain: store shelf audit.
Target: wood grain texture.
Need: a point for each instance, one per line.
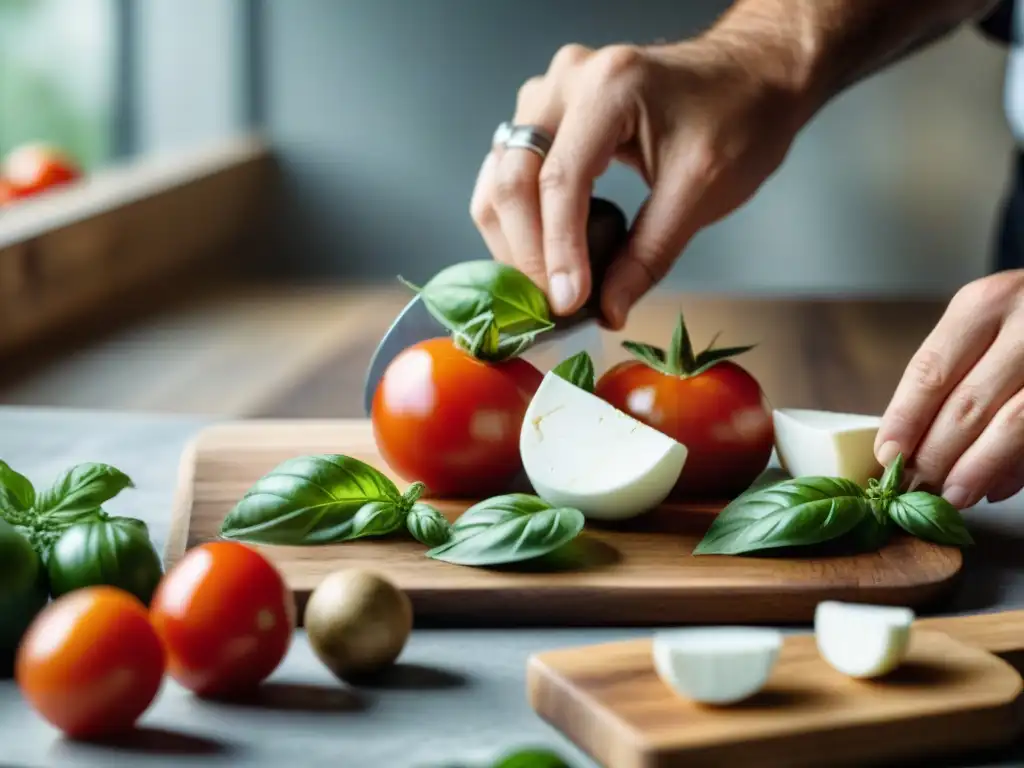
(641, 573)
(947, 696)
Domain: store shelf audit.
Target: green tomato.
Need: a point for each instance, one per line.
(23, 591)
(115, 551)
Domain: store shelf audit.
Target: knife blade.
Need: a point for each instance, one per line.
(606, 233)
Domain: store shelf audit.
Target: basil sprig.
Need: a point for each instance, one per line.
(509, 529)
(578, 370)
(806, 511)
(680, 359)
(492, 310)
(427, 525)
(77, 495)
(319, 499)
(330, 499)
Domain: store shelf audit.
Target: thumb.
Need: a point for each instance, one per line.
(664, 225)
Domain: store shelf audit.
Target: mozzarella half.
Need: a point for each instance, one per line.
(862, 640)
(827, 444)
(716, 665)
(580, 451)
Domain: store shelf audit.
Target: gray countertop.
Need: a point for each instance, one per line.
(457, 696)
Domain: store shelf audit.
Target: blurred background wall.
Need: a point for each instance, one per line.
(381, 111)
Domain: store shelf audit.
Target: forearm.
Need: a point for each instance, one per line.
(818, 48)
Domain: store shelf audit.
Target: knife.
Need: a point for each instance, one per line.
(606, 234)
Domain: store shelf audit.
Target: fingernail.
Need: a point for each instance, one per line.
(888, 452)
(562, 291)
(958, 496)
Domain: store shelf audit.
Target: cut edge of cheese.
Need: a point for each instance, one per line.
(578, 450)
(716, 665)
(861, 640)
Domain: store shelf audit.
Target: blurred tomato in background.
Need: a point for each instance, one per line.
(30, 169)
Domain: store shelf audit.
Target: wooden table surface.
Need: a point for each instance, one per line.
(832, 353)
(302, 351)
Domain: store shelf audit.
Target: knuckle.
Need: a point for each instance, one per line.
(967, 406)
(988, 294)
(480, 211)
(554, 177)
(569, 56)
(928, 371)
(529, 91)
(619, 63)
(1013, 415)
(510, 186)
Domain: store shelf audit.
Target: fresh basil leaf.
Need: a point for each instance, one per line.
(771, 476)
(798, 512)
(515, 539)
(578, 370)
(459, 294)
(931, 518)
(377, 518)
(80, 491)
(497, 510)
(16, 491)
(871, 534)
(317, 499)
(428, 526)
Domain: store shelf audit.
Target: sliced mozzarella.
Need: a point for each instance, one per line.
(830, 444)
(862, 640)
(580, 451)
(716, 665)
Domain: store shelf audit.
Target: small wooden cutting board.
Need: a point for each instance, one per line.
(952, 693)
(639, 573)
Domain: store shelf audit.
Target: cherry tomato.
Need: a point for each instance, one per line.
(226, 618)
(719, 414)
(444, 418)
(91, 662)
(34, 168)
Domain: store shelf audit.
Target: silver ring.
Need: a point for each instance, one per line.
(529, 137)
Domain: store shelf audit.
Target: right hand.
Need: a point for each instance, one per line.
(701, 122)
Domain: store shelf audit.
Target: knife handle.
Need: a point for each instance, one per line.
(607, 231)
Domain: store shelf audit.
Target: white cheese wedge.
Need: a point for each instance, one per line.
(862, 640)
(716, 665)
(580, 451)
(824, 443)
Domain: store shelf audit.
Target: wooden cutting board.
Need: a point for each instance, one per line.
(954, 692)
(640, 573)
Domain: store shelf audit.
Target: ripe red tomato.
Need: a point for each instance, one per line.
(719, 414)
(91, 663)
(226, 618)
(34, 168)
(443, 417)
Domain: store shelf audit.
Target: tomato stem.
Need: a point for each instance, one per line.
(680, 359)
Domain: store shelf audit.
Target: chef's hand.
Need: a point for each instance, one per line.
(958, 413)
(700, 121)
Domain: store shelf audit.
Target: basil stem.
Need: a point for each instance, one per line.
(578, 370)
(319, 499)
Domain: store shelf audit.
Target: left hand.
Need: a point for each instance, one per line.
(958, 412)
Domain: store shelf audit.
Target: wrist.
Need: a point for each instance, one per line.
(782, 55)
